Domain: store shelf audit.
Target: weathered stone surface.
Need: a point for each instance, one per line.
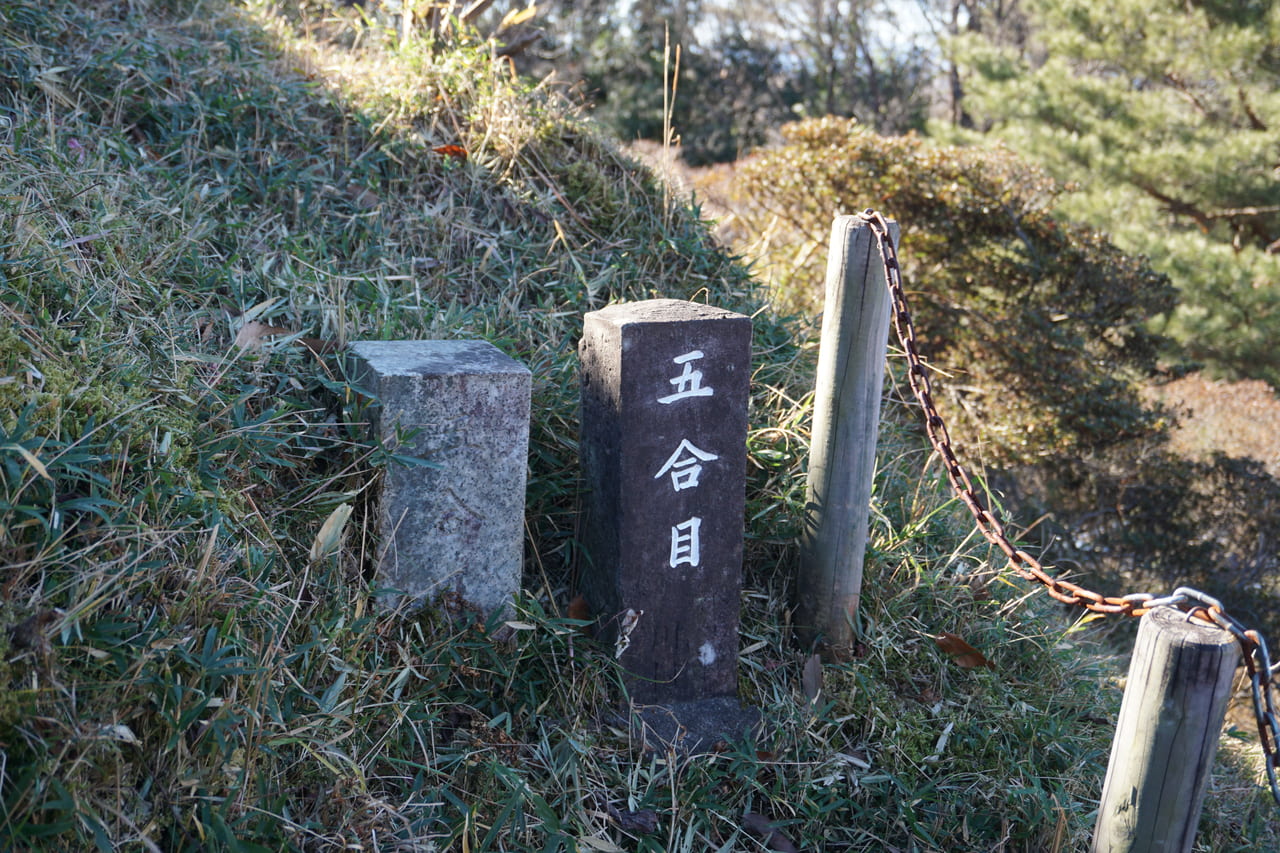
(663, 444)
(704, 725)
(458, 527)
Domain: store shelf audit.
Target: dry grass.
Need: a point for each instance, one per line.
(181, 673)
(1235, 419)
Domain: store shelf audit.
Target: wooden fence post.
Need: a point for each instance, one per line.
(1170, 721)
(846, 418)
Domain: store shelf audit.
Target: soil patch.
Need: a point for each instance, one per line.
(1235, 418)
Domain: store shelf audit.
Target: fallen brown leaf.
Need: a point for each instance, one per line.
(451, 151)
(320, 346)
(981, 591)
(642, 822)
(579, 609)
(811, 678)
(363, 198)
(964, 655)
(772, 837)
(253, 335)
(29, 633)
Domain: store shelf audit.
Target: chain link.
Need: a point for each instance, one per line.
(1257, 660)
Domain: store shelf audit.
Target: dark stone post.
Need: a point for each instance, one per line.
(664, 423)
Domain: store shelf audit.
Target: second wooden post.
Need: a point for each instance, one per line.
(842, 456)
(1167, 734)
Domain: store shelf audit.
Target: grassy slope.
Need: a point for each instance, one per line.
(184, 673)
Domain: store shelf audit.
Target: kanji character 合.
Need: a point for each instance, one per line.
(685, 465)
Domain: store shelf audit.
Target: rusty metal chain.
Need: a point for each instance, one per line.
(1252, 645)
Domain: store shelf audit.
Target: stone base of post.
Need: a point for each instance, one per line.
(705, 725)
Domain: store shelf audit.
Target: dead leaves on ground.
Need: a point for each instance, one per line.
(456, 152)
(579, 609)
(254, 336)
(645, 822)
(962, 654)
(773, 838)
(811, 679)
(642, 822)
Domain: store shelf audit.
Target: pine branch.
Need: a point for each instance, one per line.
(1178, 207)
(1255, 121)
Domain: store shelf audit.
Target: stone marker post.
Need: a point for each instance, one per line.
(663, 444)
(457, 526)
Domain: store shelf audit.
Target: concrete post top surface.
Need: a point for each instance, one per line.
(435, 358)
(662, 311)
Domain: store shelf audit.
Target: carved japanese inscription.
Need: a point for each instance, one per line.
(664, 420)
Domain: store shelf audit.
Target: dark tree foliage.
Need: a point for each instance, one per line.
(743, 71)
(1166, 113)
(1038, 329)
(1139, 518)
(727, 96)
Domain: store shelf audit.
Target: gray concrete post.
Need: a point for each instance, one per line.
(456, 527)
